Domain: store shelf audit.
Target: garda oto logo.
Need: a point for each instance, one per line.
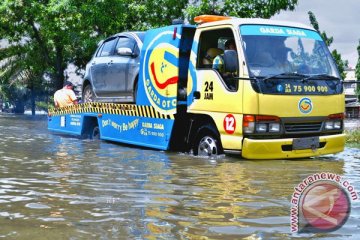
(305, 105)
(161, 72)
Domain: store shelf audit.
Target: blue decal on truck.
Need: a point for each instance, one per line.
(267, 30)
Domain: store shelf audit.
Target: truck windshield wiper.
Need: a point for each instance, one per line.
(320, 76)
(285, 75)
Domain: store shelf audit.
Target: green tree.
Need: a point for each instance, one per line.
(18, 77)
(341, 64)
(239, 8)
(357, 72)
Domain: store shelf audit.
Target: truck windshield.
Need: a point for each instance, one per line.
(279, 51)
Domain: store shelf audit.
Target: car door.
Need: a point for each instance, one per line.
(124, 67)
(100, 71)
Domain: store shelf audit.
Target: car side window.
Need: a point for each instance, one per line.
(125, 42)
(106, 48)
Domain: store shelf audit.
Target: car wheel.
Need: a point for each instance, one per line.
(207, 143)
(88, 94)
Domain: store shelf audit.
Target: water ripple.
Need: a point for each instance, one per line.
(83, 189)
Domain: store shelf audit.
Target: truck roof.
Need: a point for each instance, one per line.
(258, 21)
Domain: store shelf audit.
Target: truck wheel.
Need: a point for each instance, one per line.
(88, 94)
(95, 133)
(207, 143)
(135, 91)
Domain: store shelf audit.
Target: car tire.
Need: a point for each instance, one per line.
(88, 94)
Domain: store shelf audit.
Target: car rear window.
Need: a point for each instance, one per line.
(141, 35)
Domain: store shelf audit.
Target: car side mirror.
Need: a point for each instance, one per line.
(231, 63)
(125, 52)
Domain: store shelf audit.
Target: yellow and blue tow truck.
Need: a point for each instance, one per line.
(280, 94)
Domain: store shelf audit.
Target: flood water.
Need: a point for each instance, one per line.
(58, 187)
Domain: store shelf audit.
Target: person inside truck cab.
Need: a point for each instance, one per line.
(65, 96)
(218, 64)
(211, 53)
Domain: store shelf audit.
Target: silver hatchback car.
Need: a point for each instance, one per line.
(112, 73)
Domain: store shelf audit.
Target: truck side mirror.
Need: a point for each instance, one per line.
(231, 63)
(125, 52)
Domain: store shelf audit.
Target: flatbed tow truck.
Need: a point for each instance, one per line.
(257, 108)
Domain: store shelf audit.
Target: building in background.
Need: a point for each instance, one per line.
(352, 105)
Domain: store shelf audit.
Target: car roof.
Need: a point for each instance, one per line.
(137, 35)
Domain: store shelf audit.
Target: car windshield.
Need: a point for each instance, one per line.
(275, 50)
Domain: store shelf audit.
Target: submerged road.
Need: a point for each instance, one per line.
(58, 187)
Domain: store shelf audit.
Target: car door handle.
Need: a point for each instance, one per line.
(93, 63)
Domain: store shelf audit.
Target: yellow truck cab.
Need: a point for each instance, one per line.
(258, 88)
(283, 100)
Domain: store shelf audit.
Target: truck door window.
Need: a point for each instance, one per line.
(211, 52)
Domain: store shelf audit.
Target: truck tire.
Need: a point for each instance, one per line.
(95, 133)
(135, 91)
(207, 142)
(88, 94)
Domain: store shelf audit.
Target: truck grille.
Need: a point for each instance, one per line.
(302, 127)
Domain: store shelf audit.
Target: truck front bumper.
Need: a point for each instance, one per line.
(282, 148)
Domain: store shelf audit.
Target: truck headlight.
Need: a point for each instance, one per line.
(334, 122)
(261, 124)
(329, 125)
(274, 127)
(261, 127)
(337, 125)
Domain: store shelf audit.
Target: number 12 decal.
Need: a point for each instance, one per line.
(229, 124)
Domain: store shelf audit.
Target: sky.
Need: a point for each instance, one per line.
(340, 19)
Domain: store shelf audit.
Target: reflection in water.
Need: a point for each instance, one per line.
(56, 187)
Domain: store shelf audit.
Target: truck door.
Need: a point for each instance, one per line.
(216, 89)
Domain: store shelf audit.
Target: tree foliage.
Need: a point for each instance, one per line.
(341, 64)
(239, 8)
(357, 72)
(57, 32)
(357, 68)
